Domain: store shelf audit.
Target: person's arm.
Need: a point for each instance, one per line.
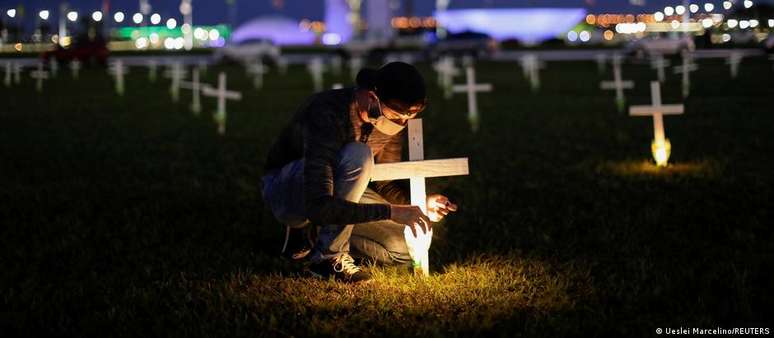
(323, 141)
(395, 192)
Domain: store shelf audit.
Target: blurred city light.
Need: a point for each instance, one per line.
(732, 23)
(572, 36)
(137, 18)
(748, 3)
(584, 36)
(72, 16)
(680, 10)
(727, 5)
(11, 13)
(669, 11)
(44, 14)
(96, 16)
(658, 16)
(693, 8)
(119, 17)
(155, 18)
(709, 7)
(171, 23)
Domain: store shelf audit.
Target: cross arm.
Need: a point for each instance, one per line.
(667, 109)
(427, 168)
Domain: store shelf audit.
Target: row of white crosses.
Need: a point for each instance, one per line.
(660, 147)
(416, 170)
(618, 84)
(12, 71)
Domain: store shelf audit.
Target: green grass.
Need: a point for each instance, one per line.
(129, 216)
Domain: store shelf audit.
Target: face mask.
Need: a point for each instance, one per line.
(382, 124)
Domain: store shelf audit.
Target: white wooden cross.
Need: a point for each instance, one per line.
(355, 64)
(417, 169)
(282, 65)
(471, 87)
(659, 63)
(336, 64)
(618, 84)
(446, 73)
(39, 75)
(222, 94)
(152, 69)
(257, 70)
(733, 60)
(661, 148)
(316, 68)
(176, 73)
(118, 70)
(601, 60)
(53, 66)
(7, 80)
(195, 87)
(530, 65)
(686, 68)
(75, 68)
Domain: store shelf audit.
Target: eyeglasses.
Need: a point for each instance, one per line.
(394, 114)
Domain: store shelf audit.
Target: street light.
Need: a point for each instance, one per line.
(44, 14)
(11, 13)
(96, 16)
(119, 17)
(137, 18)
(72, 16)
(155, 18)
(171, 23)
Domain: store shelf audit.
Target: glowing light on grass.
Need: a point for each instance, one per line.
(661, 151)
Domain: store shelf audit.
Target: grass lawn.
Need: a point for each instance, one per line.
(130, 216)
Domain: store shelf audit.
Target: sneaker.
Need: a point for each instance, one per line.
(341, 268)
(298, 243)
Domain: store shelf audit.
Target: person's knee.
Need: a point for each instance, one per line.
(357, 157)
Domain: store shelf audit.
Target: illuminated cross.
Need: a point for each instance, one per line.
(196, 88)
(176, 73)
(75, 68)
(53, 66)
(618, 84)
(417, 169)
(355, 64)
(39, 75)
(686, 69)
(257, 70)
(659, 63)
(222, 94)
(471, 87)
(733, 60)
(661, 148)
(530, 65)
(152, 69)
(446, 73)
(316, 68)
(118, 70)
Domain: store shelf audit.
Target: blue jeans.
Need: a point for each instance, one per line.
(381, 241)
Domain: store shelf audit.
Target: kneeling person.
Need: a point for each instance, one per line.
(319, 169)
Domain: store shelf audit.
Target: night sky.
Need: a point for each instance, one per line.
(214, 11)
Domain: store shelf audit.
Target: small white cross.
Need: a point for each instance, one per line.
(660, 147)
(659, 63)
(471, 87)
(196, 88)
(336, 62)
(601, 60)
(39, 75)
(152, 69)
(316, 68)
(53, 66)
(733, 60)
(618, 84)
(446, 73)
(686, 68)
(17, 70)
(75, 68)
(530, 65)
(417, 169)
(222, 94)
(355, 64)
(8, 72)
(118, 70)
(176, 73)
(257, 70)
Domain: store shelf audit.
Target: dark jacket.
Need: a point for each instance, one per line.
(319, 129)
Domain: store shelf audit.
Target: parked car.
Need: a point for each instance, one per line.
(660, 45)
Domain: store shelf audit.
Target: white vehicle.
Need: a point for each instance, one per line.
(661, 45)
(248, 51)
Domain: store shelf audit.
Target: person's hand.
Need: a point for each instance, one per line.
(412, 216)
(438, 206)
